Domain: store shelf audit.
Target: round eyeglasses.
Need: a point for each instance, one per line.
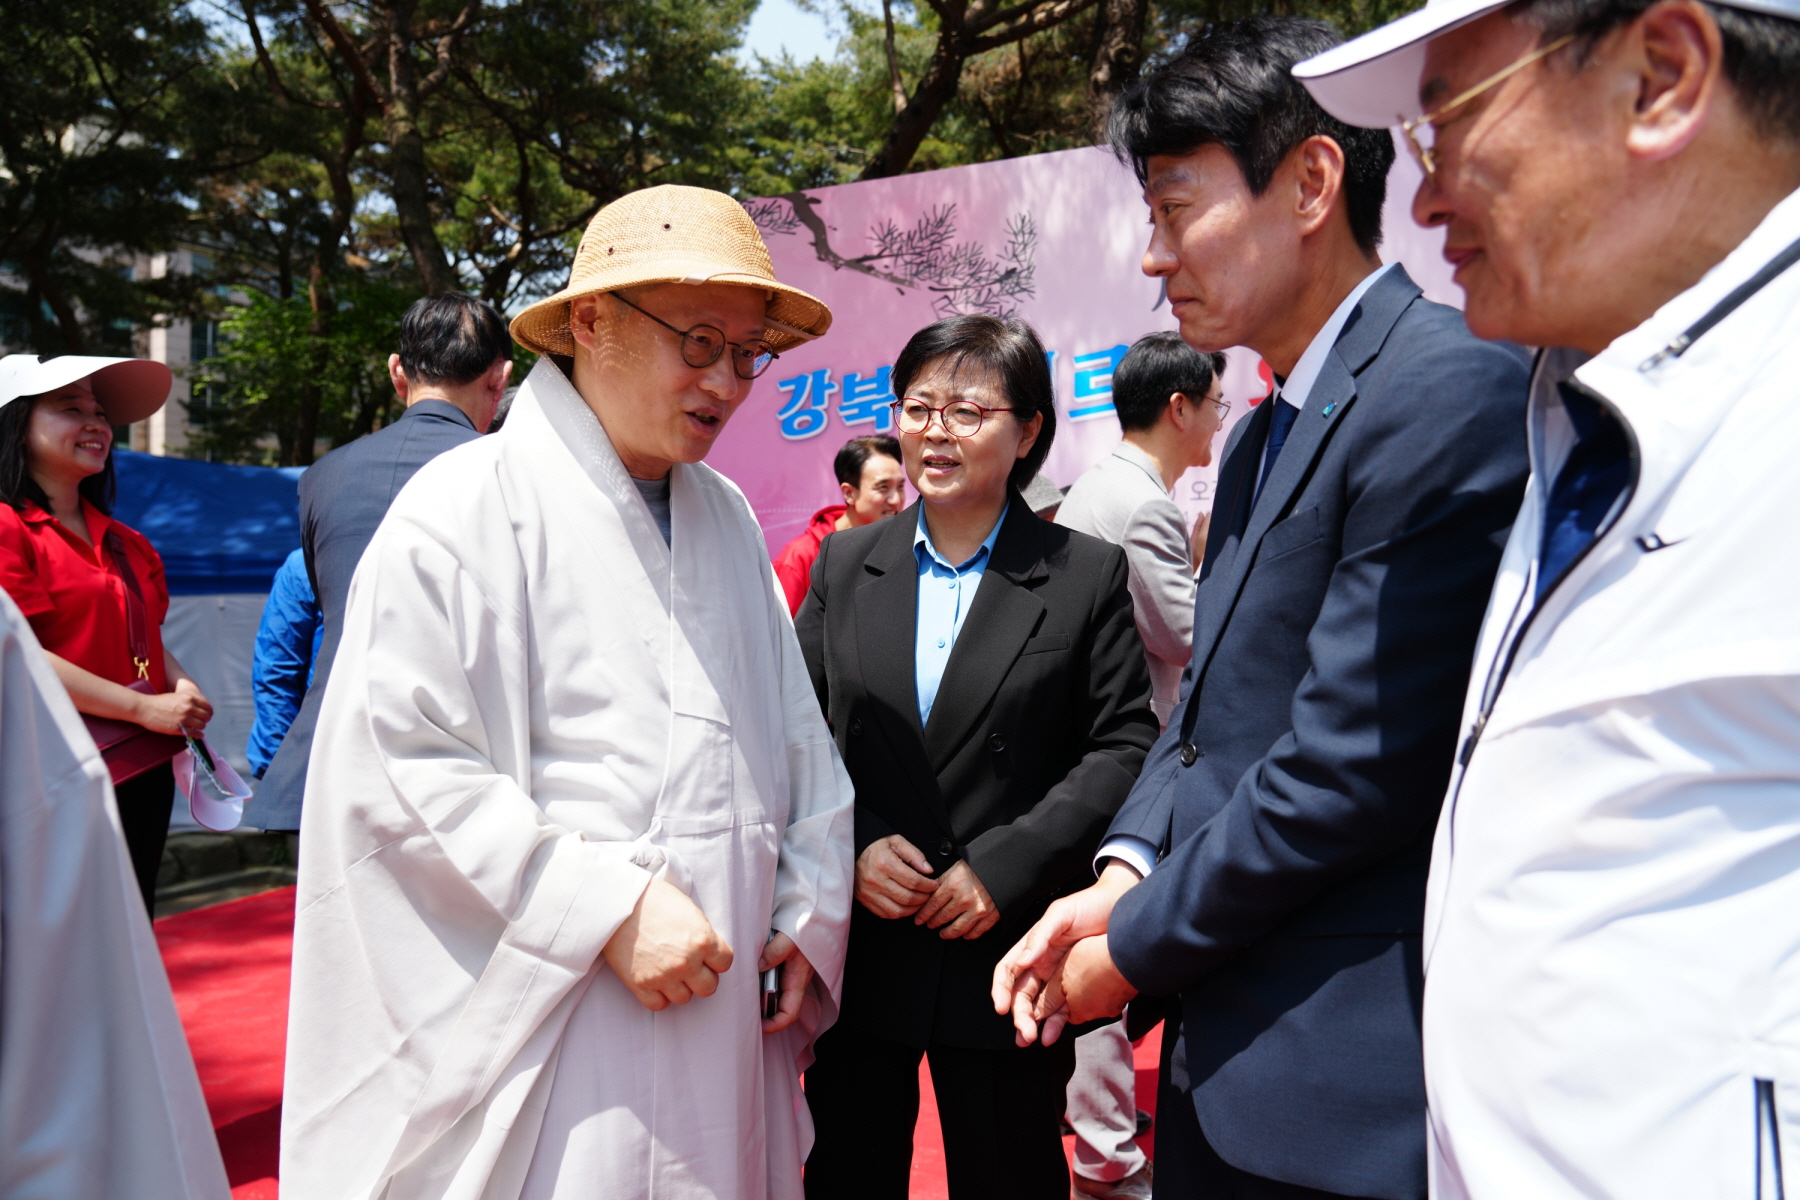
(960, 418)
(702, 345)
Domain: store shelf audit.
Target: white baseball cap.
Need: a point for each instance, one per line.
(129, 389)
(1373, 81)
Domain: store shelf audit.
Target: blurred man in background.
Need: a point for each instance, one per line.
(1170, 407)
(454, 360)
(874, 486)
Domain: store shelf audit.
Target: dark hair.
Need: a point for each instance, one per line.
(1233, 85)
(855, 454)
(1011, 350)
(451, 339)
(1156, 367)
(1762, 51)
(16, 484)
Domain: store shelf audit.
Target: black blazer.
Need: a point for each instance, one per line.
(343, 498)
(1039, 728)
(1334, 629)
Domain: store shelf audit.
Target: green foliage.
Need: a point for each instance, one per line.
(96, 104)
(805, 125)
(272, 364)
(568, 104)
(817, 124)
(262, 136)
(1352, 17)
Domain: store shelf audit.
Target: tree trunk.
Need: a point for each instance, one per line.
(966, 28)
(1116, 59)
(497, 279)
(936, 89)
(306, 421)
(43, 283)
(893, 58)
(406, 152)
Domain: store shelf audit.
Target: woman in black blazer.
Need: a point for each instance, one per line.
(983, 676)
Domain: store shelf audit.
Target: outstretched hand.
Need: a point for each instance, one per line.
(1086, 987)
(796, 974)
(1022, 976)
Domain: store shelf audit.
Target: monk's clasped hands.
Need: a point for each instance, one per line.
(666, 951)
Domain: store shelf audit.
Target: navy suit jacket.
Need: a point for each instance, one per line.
(343, 498)
(1334, 628)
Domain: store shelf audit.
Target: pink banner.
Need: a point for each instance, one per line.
(1053, 239)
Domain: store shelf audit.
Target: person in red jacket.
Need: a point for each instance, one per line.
(91, 588)
(874, 486)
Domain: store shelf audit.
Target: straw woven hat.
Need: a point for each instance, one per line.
(672, 234)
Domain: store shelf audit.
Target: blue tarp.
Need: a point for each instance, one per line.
(218, 528)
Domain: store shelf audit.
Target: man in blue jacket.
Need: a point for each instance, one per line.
(1265, 882)
(287, 647)
(451, 370)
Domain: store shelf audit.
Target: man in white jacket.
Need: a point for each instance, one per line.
(1612, 999)
(571, 782)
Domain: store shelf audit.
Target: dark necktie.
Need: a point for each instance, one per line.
(1598, 469)
(1280, 422)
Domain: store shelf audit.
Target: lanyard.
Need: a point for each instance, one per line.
(1724, 308)
(137, 621)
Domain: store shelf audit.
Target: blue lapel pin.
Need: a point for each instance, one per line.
(1328, 410)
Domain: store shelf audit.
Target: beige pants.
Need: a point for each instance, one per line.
(1102, 1106)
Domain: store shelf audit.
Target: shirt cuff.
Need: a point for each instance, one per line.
(1135, 852)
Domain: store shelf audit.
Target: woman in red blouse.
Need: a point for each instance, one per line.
(56, 493)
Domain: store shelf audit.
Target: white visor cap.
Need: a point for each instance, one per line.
(129, 389)
(1373, 80)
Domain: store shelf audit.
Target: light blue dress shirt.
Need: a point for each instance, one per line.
(946, 593)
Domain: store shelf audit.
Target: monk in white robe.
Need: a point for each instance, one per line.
(98, 1095)
(571, 776)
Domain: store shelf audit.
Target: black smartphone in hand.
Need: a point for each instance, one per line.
(771, 992)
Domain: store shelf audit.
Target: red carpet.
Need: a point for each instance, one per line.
(928, 1139)
(229, 968)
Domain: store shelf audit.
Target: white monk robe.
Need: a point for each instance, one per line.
(98, 1096)
(533, 711)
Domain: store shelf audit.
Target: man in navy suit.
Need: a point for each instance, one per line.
(455, 358)
(1264, 884)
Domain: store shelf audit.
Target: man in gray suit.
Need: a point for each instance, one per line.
(454, 360)
(1167, 395)
(1168, 400)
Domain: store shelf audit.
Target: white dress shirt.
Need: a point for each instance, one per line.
(1136, 852)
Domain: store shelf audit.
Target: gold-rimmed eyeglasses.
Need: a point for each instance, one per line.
(1419, 130)
(702, 345)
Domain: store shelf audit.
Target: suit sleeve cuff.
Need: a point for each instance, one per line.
(1135, 852)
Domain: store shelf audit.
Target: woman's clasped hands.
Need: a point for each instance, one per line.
(894, 880)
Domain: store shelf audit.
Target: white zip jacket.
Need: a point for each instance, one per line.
(1612, 930)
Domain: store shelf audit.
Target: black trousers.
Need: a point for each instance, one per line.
(999, 1109)
(1187, 1166)
(144, 807)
